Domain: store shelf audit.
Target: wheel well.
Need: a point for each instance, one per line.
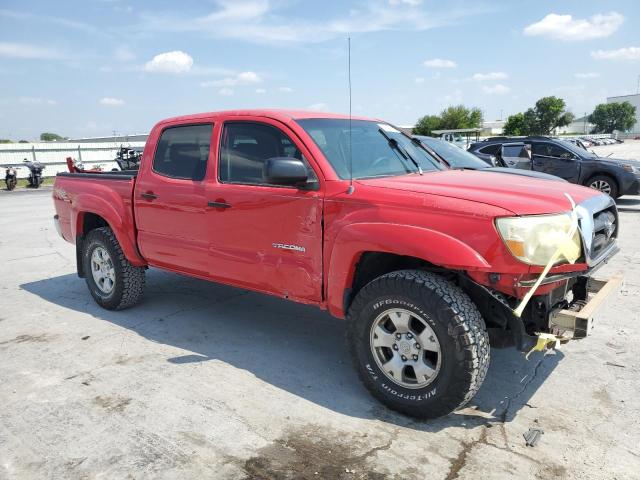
(372, 265)
(91, 221)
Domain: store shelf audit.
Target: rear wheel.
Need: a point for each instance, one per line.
(605, 184)
(114, 283)
(418, 342)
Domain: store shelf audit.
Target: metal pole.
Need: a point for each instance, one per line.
(33, 153)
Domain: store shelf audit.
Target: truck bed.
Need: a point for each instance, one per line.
(79, 198)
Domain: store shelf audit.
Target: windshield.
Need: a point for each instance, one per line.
(377, 149)
(454, 156)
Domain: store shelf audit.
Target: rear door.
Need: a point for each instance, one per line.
(262, 236)
(515, 156)
(171, 201)
(555, 160)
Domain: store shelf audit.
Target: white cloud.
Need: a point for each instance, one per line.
(411, 3)
(285, 89)
(628, 53)
(242, 78)
(481, 77)
(170, 62)
(111, 102)
(260, 21)
(586, 75)
(36, 101)
(497, 89)
(439, 63)
(565, 27)
(419, 80)
(320, 106)
(260, 91)
(226, 92)
(124, 54)
(28, 52)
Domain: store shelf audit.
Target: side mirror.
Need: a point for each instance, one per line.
(286, 171)
(493, 160)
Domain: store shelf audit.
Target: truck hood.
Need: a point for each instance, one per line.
(519, 194)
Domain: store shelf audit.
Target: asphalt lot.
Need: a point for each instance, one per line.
(207, 381)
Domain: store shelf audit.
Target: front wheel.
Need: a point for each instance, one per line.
(605, 184)
(114, 283)
(418, 342)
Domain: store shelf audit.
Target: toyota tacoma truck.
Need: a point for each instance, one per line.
(426, 264)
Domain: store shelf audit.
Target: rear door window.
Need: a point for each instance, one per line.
(490, 149)
(183, 152)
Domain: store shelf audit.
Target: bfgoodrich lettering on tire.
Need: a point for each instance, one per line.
(114, 283)
(418, 342)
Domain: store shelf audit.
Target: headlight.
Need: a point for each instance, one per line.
(534, 239)
(630, 168)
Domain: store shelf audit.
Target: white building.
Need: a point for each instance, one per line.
(579, 125)
(492, 128)
(633, 100)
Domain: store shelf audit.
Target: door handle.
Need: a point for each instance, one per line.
(218, 205)
(149, 195)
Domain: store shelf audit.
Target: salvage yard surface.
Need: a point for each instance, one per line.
(208, 381)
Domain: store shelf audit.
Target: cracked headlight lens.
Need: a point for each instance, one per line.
(535, 239)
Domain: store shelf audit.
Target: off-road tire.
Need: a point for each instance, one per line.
(457, 323)
(605, 178)
(129, 280)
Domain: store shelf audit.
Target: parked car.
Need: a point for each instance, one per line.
(615, 177)
(355, 217)
(459, 159)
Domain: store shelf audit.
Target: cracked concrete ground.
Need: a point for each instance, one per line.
(207, 381)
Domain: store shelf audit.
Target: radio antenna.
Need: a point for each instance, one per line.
(350, 189)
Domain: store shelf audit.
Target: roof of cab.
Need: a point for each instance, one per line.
(276, 114)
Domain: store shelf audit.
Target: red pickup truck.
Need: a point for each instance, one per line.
(351, 215)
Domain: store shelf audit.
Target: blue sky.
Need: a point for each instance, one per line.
(87, 68)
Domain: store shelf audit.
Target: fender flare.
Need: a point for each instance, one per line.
(407, 240)
(113, 211)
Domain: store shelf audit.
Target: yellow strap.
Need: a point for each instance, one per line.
(566, 249)
(544, 340)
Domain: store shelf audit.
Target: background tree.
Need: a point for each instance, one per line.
(452, 117)
(50, 137)
(427, 124)
(460, 116)
(515, 125)
(5, 140)
(548, 114)
(23, 141)
(608, 117)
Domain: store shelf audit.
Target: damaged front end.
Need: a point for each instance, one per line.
(546, 310)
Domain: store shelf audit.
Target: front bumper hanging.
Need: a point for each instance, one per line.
(580, 323)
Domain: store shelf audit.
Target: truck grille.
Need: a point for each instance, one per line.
(598, 218)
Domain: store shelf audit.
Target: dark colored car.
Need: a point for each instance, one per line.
(457, 158)
(615, 177)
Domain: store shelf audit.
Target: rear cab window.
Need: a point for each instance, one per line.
(183, 152)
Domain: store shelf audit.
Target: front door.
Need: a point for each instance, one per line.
(263, 236)
(556, 160)
(171, 202)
